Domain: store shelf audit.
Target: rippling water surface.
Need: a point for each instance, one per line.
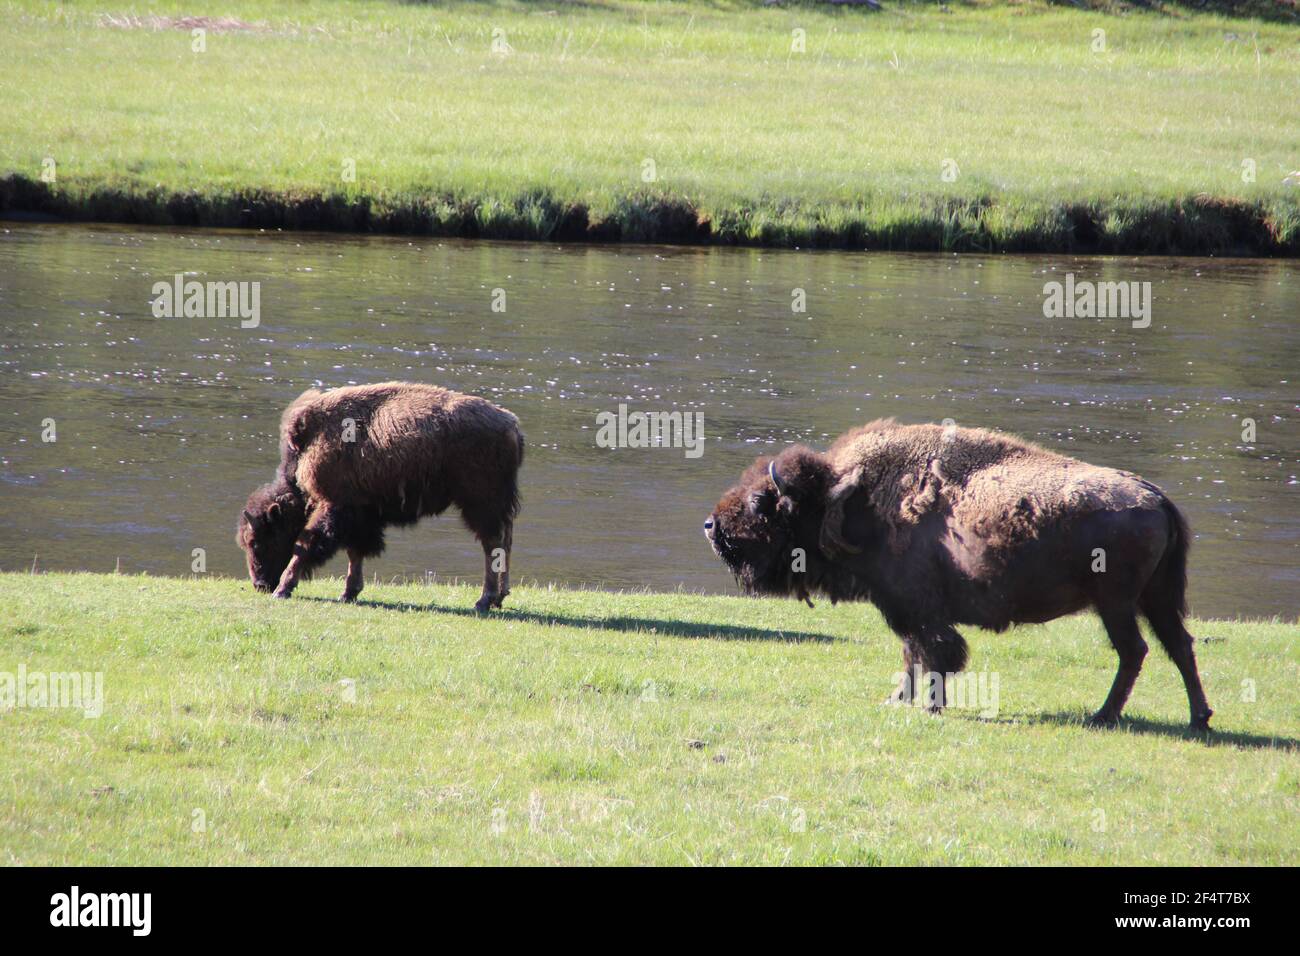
(164, 425)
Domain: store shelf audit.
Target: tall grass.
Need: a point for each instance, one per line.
(1142, 140)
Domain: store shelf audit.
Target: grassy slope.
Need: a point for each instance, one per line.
(225, 701)
(1057, 146)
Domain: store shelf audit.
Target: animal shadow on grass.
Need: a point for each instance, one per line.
(1160, 728)
(688, 629)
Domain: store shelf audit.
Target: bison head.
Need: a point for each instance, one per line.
(270, 524)
(766, 529)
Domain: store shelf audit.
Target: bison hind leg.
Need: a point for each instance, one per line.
(356, 578)
(495, 533)
(1122, 629)
(1168, 625)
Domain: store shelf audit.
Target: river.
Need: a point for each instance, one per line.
(161, 426)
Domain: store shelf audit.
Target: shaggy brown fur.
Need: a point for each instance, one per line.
(1002, 488)
(357, 459)
(942, 526)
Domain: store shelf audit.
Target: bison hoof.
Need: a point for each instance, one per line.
(282, 595)
(349, 597)
(488, 601)
(1201, 722)
(1102, 719)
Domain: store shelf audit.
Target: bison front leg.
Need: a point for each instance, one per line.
(315, 545)
(905, 692)
(291, 576)
(356, 578)
(941, 652)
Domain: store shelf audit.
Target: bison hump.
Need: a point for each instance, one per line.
(1001, 489)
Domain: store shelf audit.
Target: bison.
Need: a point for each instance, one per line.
(939, 526)
(356, 460)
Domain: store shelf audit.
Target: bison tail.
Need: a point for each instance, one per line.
(1167, 589)
(515, 500)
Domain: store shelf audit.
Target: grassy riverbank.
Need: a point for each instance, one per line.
(987, 127)
(593, 727)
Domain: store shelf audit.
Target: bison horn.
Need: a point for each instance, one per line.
(771, 473)
(248, 517)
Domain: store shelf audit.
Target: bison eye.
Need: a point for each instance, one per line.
(762, 502)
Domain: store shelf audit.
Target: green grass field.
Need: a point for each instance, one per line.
(585, 727)
(968, 127)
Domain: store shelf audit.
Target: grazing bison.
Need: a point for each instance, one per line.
(943, 526)
(355, 460)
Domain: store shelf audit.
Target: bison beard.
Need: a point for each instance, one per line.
(945, 526)
(356, 460)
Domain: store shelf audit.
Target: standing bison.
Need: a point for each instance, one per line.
(943, 526)
(356, 460)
